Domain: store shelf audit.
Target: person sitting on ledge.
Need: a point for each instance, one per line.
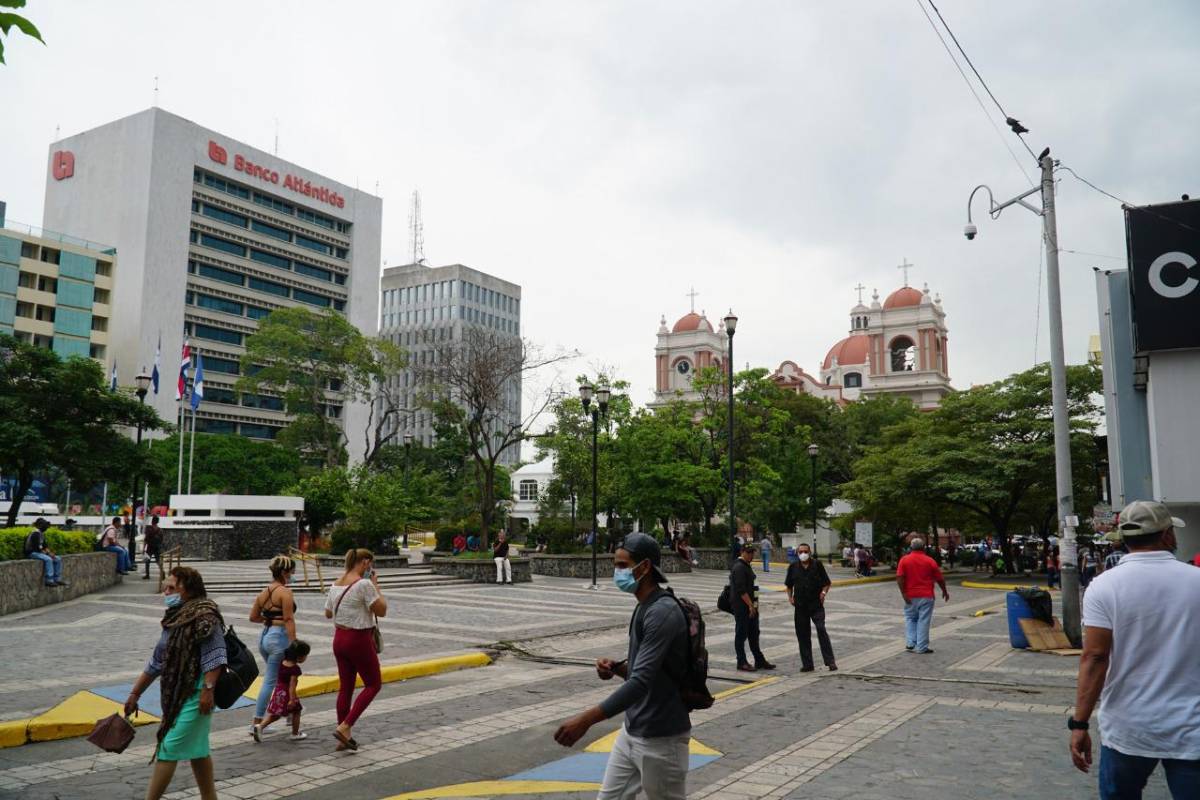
(460, 544)
(36, 547)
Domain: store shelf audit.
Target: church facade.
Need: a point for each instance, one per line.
(896, 347)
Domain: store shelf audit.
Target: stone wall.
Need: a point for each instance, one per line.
(579, 565)
(22, 585)
(712, 557)
(478, 570)
(232, 539)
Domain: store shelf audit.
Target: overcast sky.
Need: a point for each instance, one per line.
(608, 156)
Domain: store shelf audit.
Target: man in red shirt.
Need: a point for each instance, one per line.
(915, 575)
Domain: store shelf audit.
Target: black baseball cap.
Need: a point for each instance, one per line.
(642, 548)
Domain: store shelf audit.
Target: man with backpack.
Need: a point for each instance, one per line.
(664, 679)
(36, 548)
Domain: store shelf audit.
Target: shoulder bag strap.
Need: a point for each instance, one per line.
(338, 604)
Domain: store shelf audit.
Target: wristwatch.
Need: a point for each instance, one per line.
(1075, 725)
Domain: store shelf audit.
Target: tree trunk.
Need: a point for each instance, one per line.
(488, 504)
(24, 481)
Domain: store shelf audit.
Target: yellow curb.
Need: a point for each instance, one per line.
(326, 684)
(12, 733)
(1003, 587)
(605, 745)
(497, 789)
(858, 581)
(745, 687)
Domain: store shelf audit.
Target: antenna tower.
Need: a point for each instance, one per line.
(416, 229)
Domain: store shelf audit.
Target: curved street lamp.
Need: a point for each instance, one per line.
(586, 392)
(731, 321)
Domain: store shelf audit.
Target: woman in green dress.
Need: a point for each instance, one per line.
(189, 656)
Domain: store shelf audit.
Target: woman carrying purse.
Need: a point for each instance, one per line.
(353, 603)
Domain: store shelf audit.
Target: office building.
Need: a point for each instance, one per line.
(56, 290)
(214, 235)
(424, 307)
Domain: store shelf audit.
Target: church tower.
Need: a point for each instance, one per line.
(691, 344)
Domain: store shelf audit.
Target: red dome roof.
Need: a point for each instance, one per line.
(903, 297)
(851, 350)
(691, 322)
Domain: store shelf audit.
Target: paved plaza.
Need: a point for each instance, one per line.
(975, 719)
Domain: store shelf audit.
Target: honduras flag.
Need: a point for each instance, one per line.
(184, 366)
(157, 358)
(198, 386)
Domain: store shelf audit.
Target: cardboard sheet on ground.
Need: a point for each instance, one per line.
(1042, 636)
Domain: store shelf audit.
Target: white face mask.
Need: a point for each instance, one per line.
(804, 556)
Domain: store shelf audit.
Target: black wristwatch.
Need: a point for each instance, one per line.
(1075, 725)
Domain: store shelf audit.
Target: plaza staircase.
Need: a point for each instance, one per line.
(404, 578)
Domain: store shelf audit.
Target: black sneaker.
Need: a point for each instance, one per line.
(833, 667)
(746, 668)
(765, 665)
(808, 669)
(926, 651)
(909, 647)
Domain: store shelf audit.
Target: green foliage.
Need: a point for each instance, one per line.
(12, 542)
(58, 414)
(559, 537)
(380, 503)
(224, 464)
(324, 494)
(444, 537)
(8, 21)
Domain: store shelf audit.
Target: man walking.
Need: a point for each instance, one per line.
(36, 547)
(1139, 660)
(765, 548)
(807, 584)
(650, 754)
(152, 546)
(916, 573)
(743, 596)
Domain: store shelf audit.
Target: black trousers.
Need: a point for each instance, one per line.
(806, 617)
(745, 627)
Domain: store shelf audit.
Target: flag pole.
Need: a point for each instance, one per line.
(182, 435)
(191, 451)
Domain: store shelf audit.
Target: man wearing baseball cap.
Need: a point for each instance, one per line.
(651, 751)
(1140, 660)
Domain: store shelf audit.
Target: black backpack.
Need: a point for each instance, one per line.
(693, 684)
(240, 671)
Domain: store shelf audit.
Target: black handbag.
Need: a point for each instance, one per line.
(725, 600)
(240, 671)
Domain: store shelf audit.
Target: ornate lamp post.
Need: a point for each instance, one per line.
(602, 394)
(812, 460)
(730, 327)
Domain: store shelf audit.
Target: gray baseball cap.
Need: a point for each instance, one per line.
(643, 547)
(1142, 517)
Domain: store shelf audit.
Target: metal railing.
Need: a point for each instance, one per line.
(170, 559)
(304, 558)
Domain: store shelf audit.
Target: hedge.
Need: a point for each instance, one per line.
(12, 542)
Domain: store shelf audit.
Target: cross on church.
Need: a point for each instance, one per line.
(906, 267)
(859, 289)
(692, 294)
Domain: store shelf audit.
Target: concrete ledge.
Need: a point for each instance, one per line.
(579, 565)
(1005, 587)
(22, 585)
(479, 570)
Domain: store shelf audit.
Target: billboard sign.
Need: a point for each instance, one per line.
(864, 533)
(1163, 245)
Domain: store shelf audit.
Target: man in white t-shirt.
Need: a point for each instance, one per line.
(1141, 639)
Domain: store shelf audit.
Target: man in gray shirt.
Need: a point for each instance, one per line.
(651, 752)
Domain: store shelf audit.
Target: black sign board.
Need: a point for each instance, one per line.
(1163, 243)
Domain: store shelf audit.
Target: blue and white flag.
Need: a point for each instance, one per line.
(157, 358)
(113, 383)
(198, 384)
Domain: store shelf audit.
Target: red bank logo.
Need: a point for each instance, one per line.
(62, 164)
(217, 153)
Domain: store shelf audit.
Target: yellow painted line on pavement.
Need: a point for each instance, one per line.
(310, 685)
(1003, 587)
(605, 745)
(496, 789)
(779, 587)
(745, 687)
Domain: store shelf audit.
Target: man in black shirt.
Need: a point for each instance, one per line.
(36, 548)
(743, 595)
(807, 584)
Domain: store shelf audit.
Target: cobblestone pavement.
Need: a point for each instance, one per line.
(975, 719)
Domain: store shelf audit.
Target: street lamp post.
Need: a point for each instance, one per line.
(1067, 520)
(731, 327)
(602, 394)
(141, 386)
(812, 460)
(408, 439)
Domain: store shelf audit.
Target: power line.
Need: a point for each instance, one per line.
(982, 82)
(974, 93)
(1125, 203)
(1093, 255)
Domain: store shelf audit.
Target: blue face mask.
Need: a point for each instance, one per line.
(172, 600)
(623, 578)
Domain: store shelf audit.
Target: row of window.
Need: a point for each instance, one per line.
(424, 316)
(261, 285)
(274, 231)
(50, 255)
(453, 289)
(216, 394)
(266, 200)
(251, 430)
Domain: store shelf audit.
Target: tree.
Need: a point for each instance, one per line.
(324, 494)
(316, 360)
(224, 464)
(986, 453)
(473, 384)
(379, 504)
(59, 414)
(8, 21)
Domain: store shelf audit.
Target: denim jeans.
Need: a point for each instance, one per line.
(1122, 777)
(51, 566)
(123, 564)
(271, 644)
(766, 557)
(918, 613)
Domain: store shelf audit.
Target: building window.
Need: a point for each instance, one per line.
(217, 274)
(255, 431)
(262, 401)
(312, 244)
(311, 298)
(271, 230)
(222, 244)
(904, 354)
(529, 491)
(50, 255)
(268, 287)
(222, 185)
(29, 250)
(315, 219)
(313, 272)
(270, 258)
(225, 216)
(225, 365)
(852, 380)
(216, 334)
(272, 203)
(216, 394)
(256, 312)
(218, 304)
(214, 425)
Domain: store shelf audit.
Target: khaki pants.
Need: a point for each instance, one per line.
(658, 767)
(503, 570)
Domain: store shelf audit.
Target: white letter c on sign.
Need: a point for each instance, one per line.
(1172, 292)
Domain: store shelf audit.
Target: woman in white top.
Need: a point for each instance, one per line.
(353, 603)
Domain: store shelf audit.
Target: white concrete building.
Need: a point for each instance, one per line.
(213, 235)
(529, 483)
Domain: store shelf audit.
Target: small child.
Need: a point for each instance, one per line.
(284, 700)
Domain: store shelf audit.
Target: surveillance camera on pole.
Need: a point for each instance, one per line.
(970, 231)
(1067, 520)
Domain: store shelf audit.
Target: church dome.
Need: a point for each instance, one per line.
(903, 297)
(849, 351)
(692, 322)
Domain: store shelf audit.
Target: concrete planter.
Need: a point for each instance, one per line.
(579, 565)
(712, 557)
(381, 562)
(22, 586)
(232, 540)
(478, 570)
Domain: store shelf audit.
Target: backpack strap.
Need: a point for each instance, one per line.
(338, 604)
(687, 627)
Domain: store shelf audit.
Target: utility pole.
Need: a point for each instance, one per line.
(1062, 423)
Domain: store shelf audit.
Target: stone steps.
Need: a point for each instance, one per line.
(409, 579)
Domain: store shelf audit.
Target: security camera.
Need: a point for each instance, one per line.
(969, 231)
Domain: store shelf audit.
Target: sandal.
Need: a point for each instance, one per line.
(347, 742)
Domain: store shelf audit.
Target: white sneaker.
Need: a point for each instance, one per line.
(256, 732)
(295, 737)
